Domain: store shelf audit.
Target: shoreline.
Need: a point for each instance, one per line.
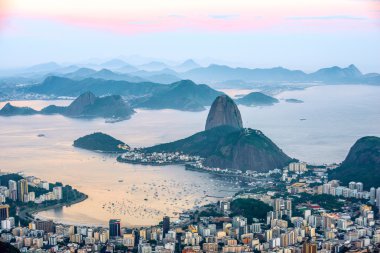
(27, 213)
(121, 160)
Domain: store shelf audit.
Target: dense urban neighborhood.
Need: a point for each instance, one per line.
(294, 209)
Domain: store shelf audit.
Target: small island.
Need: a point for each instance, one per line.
(293, 100)
(102, 143)
(257, 99)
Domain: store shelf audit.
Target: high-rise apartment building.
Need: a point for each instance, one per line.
(22, 189)
(12, 185)
(115, 228)
(165, 225)
(309, 247)
(4, 212)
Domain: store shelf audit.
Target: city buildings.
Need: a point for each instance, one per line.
(165, 225)
(22, 190)
(115, 228)
(293, 224)
(4, 212)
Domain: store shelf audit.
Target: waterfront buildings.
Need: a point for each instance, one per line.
(12, 185)
(165, 225)
(57, 191)
(22, 190)
(115, 228)
(294, 224)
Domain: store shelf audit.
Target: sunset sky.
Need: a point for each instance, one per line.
(297, 34)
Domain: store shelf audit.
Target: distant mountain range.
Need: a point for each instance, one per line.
(183, 95)
(167, 88)
(214, 74)
(86, 105)
(61, 86)
(334, 75)
(105, 74)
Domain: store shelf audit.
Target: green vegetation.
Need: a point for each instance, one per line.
(257, 99)
(99, 142)
(362, 164)
(4, 179)
(328, 202)
(210, 212)
(202, 143)
(228, 147)
(293, 100)
(183, 95)
(7, 248)
(250, 208)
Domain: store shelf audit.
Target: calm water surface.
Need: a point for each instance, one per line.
(335, 116)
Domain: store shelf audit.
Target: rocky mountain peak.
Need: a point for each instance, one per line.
(224, 111)
(80, 103)
(7, 107)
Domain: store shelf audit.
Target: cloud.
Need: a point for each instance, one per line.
(176, 16)
(224, 16)
(333, 17)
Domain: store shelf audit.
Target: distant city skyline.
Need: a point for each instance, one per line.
(293, 34)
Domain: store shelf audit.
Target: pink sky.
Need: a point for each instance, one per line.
(299, 34)
(130, 17)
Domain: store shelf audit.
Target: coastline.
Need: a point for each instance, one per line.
(121, 160)
(28, 213)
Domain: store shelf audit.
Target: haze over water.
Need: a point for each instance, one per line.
(336, 116)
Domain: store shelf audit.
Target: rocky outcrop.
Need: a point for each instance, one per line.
(226, 144)
(10, 110)
(109, 107)
(224, 111)
(362, 163)
(87, 105)
(79, 105)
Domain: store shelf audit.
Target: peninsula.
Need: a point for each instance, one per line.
(101, 142)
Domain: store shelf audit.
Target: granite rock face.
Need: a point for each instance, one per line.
(224, 111)
(226, 144)
(77, 107)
